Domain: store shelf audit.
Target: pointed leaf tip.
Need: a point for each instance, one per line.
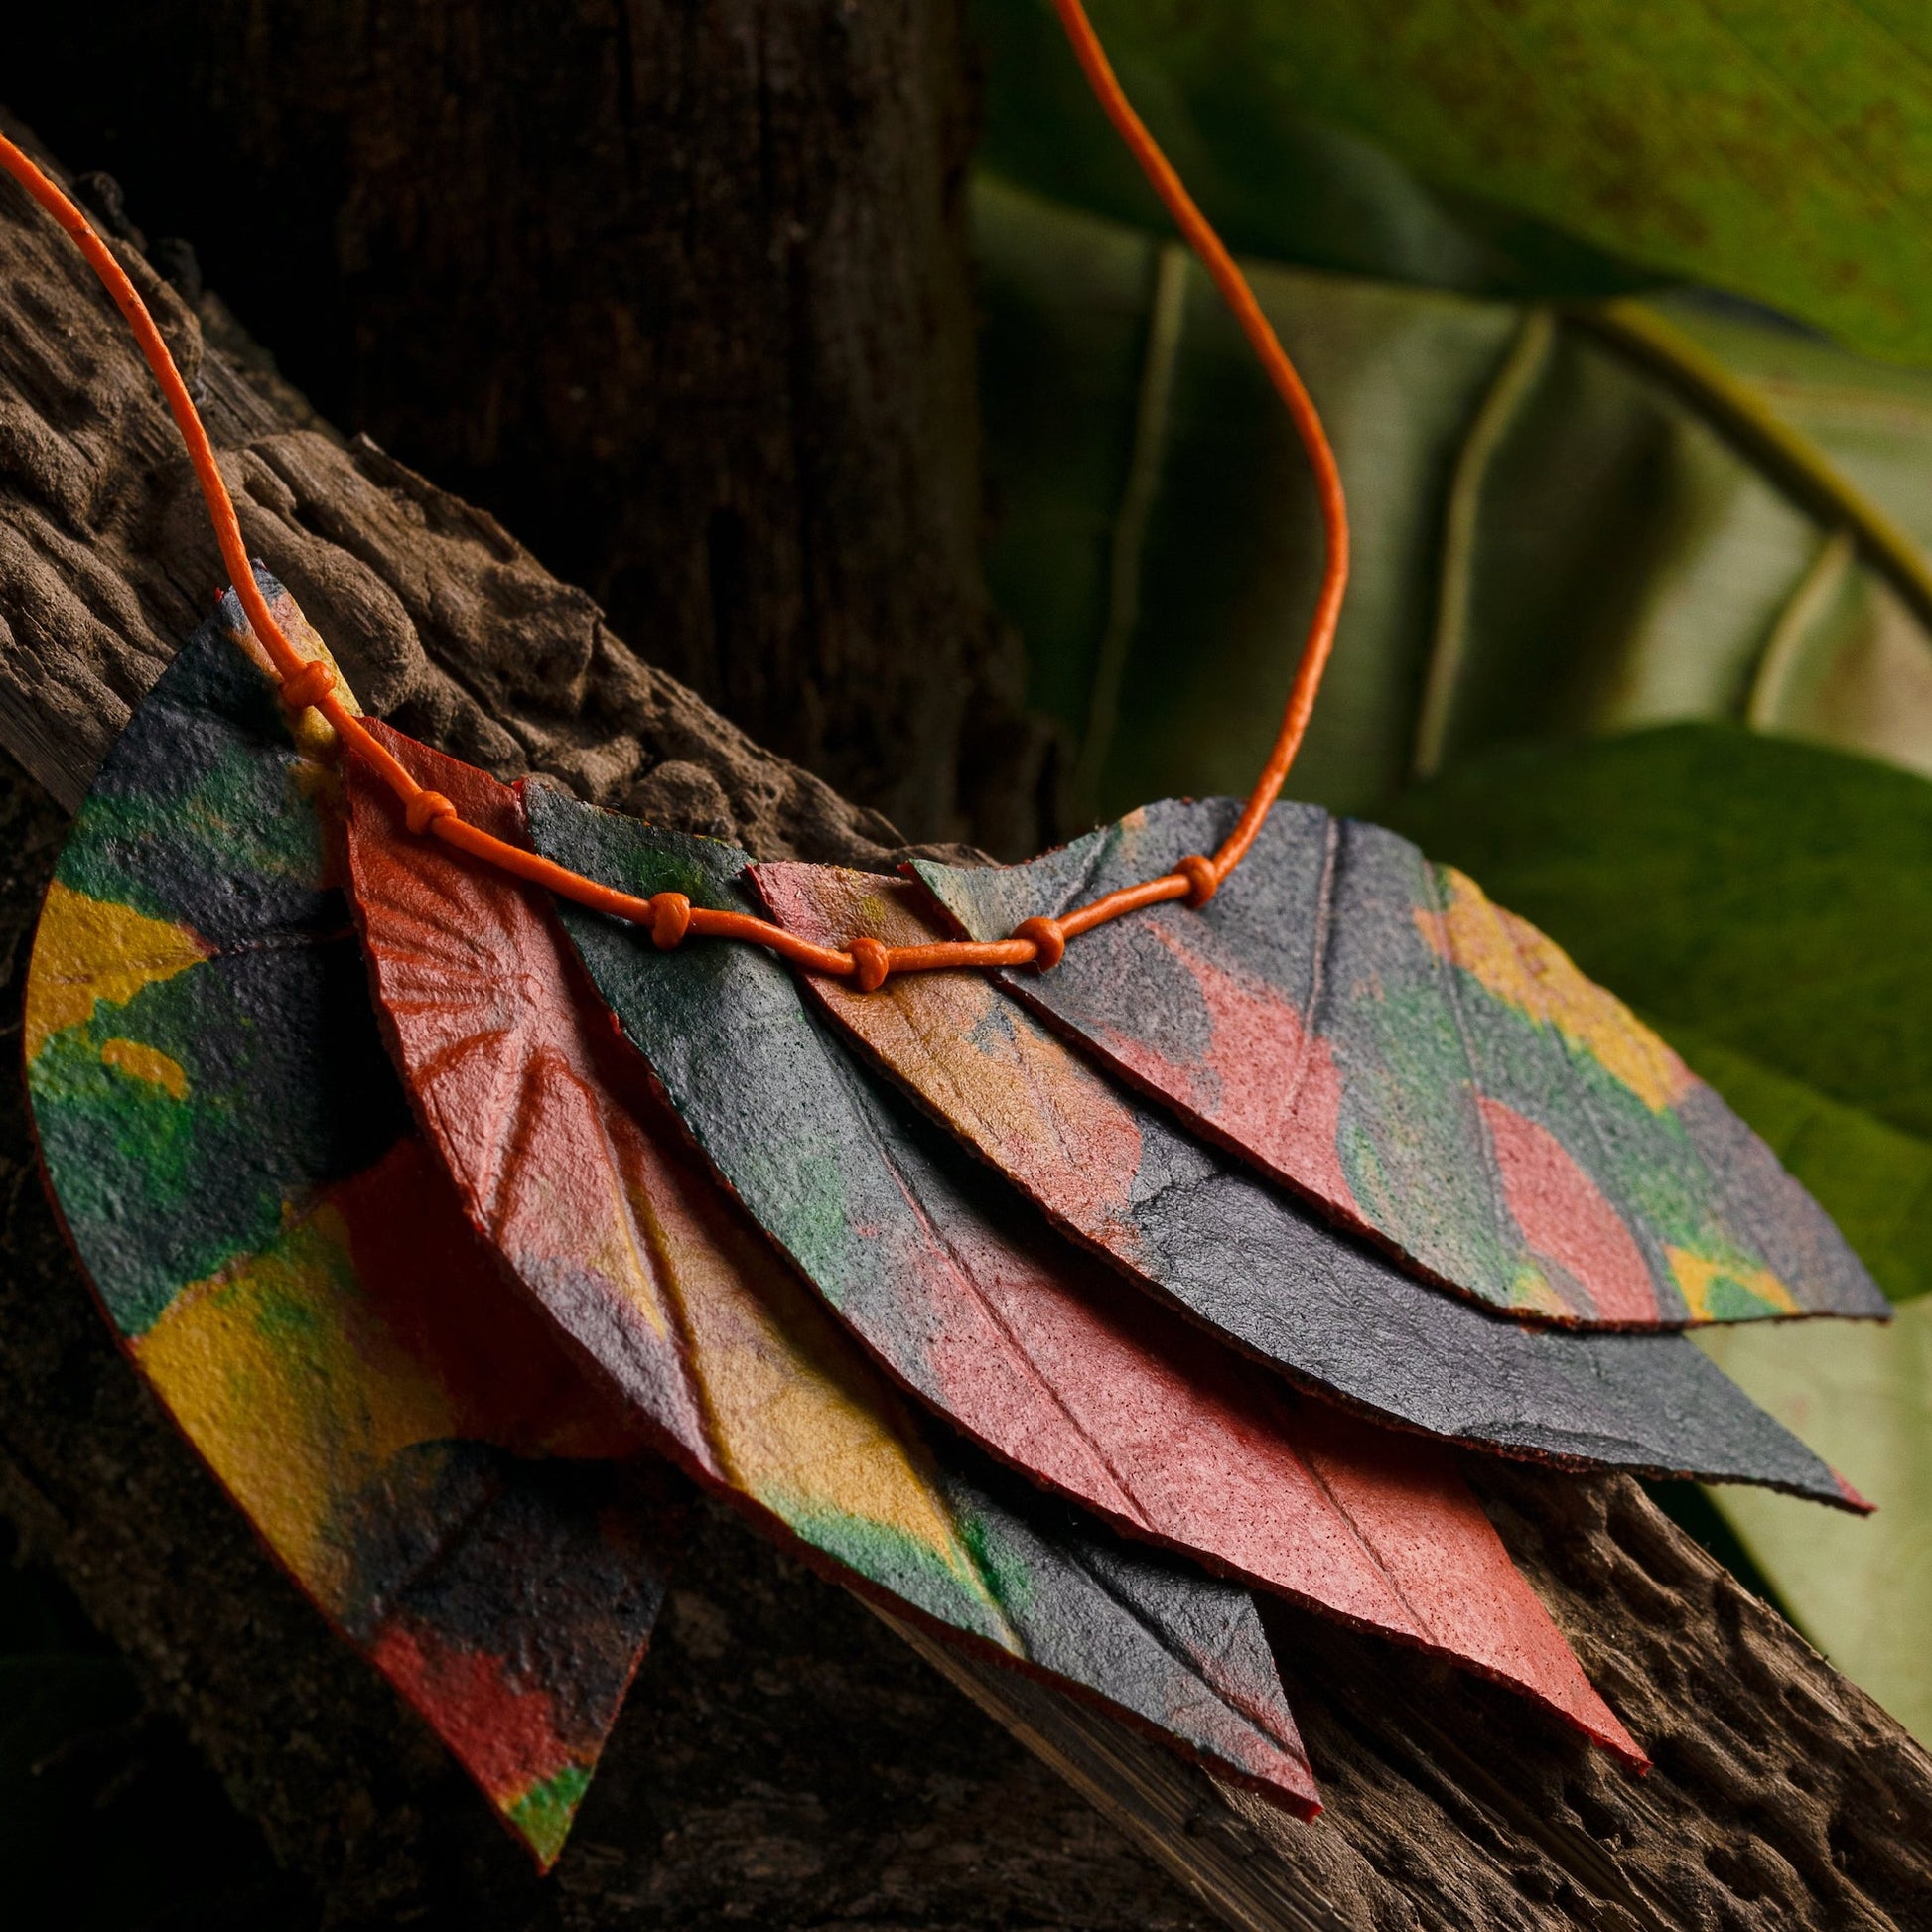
(1234, 1254)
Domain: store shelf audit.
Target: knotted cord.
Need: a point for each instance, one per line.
(670, 917)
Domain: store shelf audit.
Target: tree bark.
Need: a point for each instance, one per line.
(678, 289)
(781, 1761)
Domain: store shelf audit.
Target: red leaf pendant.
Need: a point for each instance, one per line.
(1000, 1326)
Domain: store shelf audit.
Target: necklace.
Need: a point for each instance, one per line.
(1179, 1113)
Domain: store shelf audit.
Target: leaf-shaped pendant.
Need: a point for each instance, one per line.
(571, 1167)
(1001, 1325)
(1184, 1221)
(1425, 1067)
(1225, 1249)
(237, 1168)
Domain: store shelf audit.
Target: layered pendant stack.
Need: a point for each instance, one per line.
(1061, 1313)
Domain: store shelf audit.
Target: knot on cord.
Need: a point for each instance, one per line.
(871, 963)
(1203, 882)
(670, 919)
(309, 685)
(425, 809)
(1048, 941)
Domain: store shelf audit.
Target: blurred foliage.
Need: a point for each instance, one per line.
(1547, 537)
(109, 1821)
(1861, 1396)
(1779, 150)
(1276, 181)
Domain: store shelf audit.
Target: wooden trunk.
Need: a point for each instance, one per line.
(677, 289)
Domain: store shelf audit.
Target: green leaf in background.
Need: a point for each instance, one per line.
(1783, 152)
(1157, 542)
(1548, 539)
(1279, 182)
(1861, 1397)
(1769, 906)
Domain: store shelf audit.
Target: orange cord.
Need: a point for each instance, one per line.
(1240, 298)
(669, 917)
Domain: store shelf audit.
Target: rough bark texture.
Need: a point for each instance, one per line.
(677, 288)
(447, 626)
(782, 1761)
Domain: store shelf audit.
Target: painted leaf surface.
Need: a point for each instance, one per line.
(572, 1168)
(958, 1289)
(234, 1162)
(1336, 1317)
(1767, 901)
(1769, 893)
(1234, 1253)
(1874, 1180)
(1424, 1066)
